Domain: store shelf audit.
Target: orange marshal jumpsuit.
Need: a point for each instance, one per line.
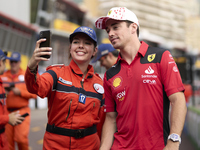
(3, 118)
(20, 132)
(187, 92)
(65, 87)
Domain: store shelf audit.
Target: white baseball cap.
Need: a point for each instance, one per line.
(116, 13)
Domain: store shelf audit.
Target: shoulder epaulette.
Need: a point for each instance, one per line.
(113, 70)
(153, 55)
(55, 65)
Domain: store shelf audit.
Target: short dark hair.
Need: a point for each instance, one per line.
(129, 23)
(115, 53)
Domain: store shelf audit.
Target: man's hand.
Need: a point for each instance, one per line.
(172, 145)
(15, 118)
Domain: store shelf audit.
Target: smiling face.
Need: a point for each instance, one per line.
(82, 48)
(107, 61)
(15, 66)
(119, 33)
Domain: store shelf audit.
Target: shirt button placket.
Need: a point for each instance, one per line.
(129, 72)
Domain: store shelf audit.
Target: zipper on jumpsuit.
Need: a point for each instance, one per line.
(69, 109)
(71, 100)
(82, 81)
(83, 88)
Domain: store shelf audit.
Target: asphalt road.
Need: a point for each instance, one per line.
(37, 129)
(186, 143)
(38, 125)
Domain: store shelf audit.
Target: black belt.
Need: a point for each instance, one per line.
(2, 130)
(77, 133)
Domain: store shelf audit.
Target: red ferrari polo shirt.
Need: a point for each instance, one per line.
(139, 94)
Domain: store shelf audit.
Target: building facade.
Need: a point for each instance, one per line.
(170, 24)
(161, 21)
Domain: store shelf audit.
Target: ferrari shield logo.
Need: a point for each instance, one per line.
(151, 57)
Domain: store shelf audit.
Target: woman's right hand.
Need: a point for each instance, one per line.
(38, 52)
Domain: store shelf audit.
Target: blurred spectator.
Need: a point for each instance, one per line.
(187, 92)
(13, 118)
(17, 100)
(107, 55)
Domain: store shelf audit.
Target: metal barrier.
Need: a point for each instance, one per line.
(192, 124)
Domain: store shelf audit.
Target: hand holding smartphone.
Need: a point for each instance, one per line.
(9, 88)
(46, 34)
(24, 115)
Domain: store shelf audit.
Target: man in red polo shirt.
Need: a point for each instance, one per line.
(139, 89)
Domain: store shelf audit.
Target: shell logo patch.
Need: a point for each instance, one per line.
(151, 57)
(117, 82)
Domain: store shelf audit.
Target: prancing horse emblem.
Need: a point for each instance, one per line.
(151, 57)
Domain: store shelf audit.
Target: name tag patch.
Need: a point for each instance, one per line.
(82, 98)
(64, 81)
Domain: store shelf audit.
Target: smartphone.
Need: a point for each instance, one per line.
(12, 85)
(24, 115)
(7, 88)
(46, 34)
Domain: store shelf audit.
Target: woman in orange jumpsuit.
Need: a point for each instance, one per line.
(75, 94)
(17, 100)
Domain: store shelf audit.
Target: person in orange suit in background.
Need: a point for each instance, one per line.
(12, 118)
(187, 92)
(17, 100)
